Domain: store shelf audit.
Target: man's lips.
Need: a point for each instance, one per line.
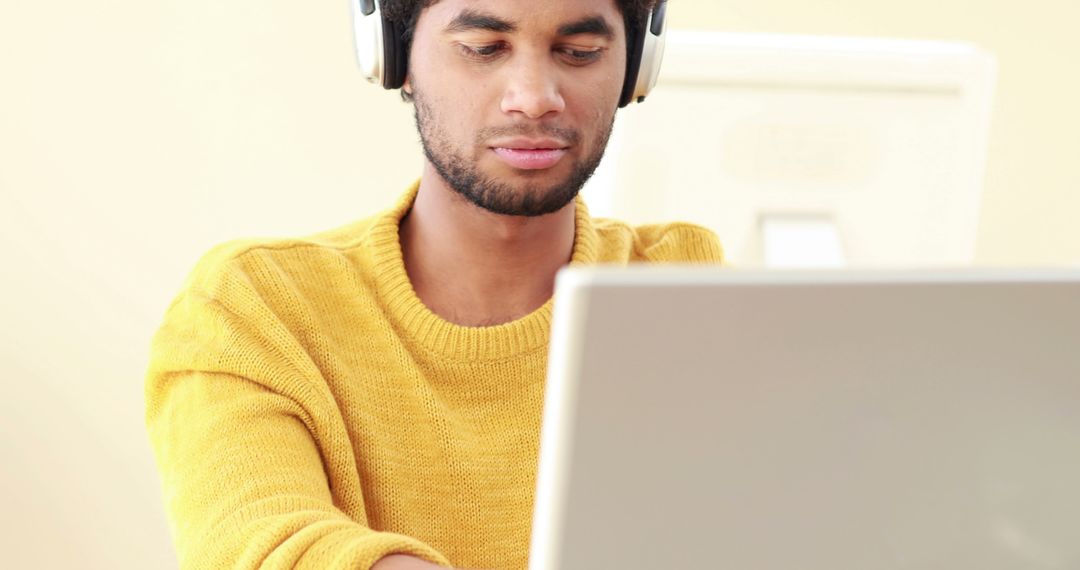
(530, 158)
(530, 154)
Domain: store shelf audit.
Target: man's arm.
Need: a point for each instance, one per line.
(255, 460)
(404, 562)
(245, 485)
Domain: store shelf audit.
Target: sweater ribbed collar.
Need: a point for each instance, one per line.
(446, 339)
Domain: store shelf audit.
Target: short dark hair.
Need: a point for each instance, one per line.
(406, 12)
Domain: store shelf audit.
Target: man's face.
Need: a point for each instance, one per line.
(515, 99)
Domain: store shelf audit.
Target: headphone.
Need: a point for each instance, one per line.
(380, 47)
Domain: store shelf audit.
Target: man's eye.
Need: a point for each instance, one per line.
(482, 52)
(581, 57)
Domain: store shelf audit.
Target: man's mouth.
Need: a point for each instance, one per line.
(530, 158)
(527, 153)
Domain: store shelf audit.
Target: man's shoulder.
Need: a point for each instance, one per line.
(250, 259)
(675, 242)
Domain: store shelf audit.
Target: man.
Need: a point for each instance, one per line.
(371, 396)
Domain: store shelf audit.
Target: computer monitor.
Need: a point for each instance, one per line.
(809, 151)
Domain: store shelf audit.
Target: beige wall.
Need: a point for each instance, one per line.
(133, 135)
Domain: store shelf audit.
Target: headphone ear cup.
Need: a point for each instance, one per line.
(380, 45)
(367, 35)
(645, 45)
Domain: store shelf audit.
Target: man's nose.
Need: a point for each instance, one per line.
(533, 88)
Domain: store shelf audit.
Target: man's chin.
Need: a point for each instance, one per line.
(529, 198)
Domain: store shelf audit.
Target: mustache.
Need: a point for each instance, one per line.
(570, 136)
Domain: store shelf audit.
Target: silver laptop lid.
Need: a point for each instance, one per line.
(710, 418)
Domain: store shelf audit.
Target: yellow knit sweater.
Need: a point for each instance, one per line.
(308, 411)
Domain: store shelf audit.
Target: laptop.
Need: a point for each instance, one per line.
(710, 418)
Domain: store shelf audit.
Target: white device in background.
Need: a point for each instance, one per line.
(809, 151)
(705, 418)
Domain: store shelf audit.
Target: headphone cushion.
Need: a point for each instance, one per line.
(636, 46)
(395, 60)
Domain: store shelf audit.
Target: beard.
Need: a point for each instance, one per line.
(464, 177)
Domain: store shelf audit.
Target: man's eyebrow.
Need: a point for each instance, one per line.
(469, 20)
(592, 25)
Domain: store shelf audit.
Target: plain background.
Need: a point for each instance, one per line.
(135, 135)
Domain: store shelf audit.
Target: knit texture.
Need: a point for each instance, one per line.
(306, 409)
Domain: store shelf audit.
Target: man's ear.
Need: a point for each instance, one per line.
(406, 90)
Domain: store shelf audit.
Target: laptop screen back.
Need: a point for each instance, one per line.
(708, 418)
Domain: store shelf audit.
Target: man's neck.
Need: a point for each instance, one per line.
(473, 267)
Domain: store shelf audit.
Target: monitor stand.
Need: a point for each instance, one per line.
(801, 241)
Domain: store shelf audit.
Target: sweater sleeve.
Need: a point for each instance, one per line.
(256, 465)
